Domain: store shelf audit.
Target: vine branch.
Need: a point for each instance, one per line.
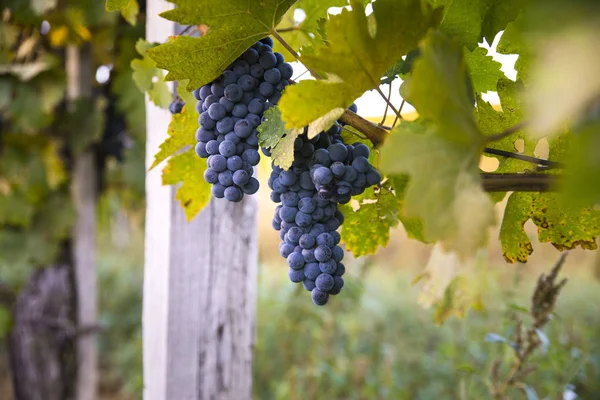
(519, 182)
(293, 52)
(388, 102)
(522, 157)
(373, 132)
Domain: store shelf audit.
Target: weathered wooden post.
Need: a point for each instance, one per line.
(199, 282)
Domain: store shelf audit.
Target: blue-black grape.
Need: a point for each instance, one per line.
(319, 297)
(176, 106)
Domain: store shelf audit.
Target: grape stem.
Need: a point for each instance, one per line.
(293, 52)
(522, 157)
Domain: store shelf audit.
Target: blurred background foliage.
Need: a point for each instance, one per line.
(374, 342)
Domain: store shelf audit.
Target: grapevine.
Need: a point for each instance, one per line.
(325, 171)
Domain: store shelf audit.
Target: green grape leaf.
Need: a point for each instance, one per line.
(302, 34)
(272, 129)
(451, 285)
(412, 226)
(401, 67)
(367, 227)
(194, 192)
(463, 20)
(439, 89)
(444, 188)
(564, 227)
(485, 72)
(234, 27)
(355, 59)
(181, 134)
(131, 12)
(325, 122)
(273, 134)
(441, 153)
(183, 165)
(498, 15)
(117, 5)
(513, 42)
(283, 152)
(148, 77)
(492, 122)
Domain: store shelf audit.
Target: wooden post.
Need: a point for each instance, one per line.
(199, 281)
(83, 188)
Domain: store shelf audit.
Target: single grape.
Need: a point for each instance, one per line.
(322, 253)
(319, 297)
(328, 267)
(325, 282)
(234, 92)
(295, 261)
(296, 276)
(233, 194)
(311, 270)
(309, 284)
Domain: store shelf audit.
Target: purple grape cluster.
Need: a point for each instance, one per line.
(308, 217)
(231, 108)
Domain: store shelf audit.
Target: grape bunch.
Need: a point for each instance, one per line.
(308, 217)
(231, 108)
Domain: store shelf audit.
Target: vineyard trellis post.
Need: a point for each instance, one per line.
(199, 280)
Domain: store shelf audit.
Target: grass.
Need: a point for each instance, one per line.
(373, 341)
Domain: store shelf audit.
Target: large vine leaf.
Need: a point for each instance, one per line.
(491, 122)
(463, 19)
(148, 77)
(307, 32)
(441, 155)
(499, 14)
(194, 192)
(356, 59)
(513, 42)
(116, 5)
(485, 72)
(564, 227)
(473, 20)
(183, 165)
(129, 9)
(450, 285)
(235, 25)
(412, 226)
(367, 227)
(273, 135)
